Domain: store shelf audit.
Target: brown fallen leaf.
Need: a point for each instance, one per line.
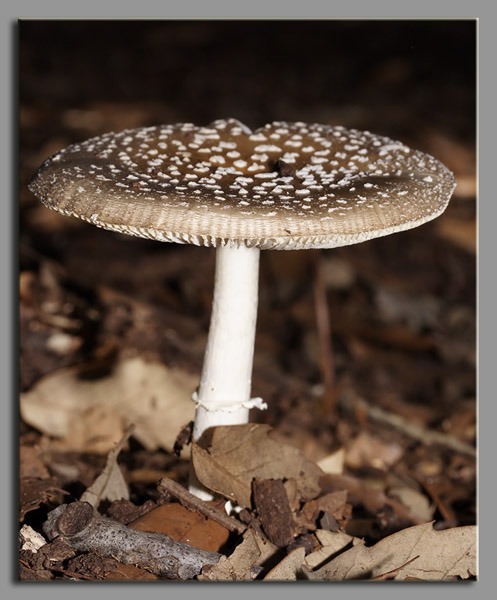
(373, 499)
(287, 569)
(368, 450)
(91, 414)
(418, 504)
(239, 453)
(440, 556)
(331, 543)
(333, 503)
(244, 564)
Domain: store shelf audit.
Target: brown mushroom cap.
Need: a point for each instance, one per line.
(283, 186)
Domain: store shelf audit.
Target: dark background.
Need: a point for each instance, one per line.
(377, 74)
(414, 80)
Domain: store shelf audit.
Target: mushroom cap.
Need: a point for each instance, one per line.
(283, 186)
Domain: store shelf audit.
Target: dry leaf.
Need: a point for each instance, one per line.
(367, 450)
(333, 463)
(244, 563)
(334, 503)
(331, 542)
(417, 503)
(110, 484)
(372, 497)
(287, 569)
(440, 555)
(239, 453)
(92, 414)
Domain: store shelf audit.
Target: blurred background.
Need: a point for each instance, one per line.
(368, 350)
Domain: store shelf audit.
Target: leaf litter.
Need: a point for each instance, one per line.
(388, 490)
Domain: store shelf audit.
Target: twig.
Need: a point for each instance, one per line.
(409, 428)
(447, 514)
(83, 529)
(323, 324)
(190, 501)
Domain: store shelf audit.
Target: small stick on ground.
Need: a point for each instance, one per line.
(83, 529)
(408, 428)
(323, 324)
(188, 500)
(447, 514)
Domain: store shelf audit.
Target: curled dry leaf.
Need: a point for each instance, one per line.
(244, 564)
(110, 484)
(287, 569)
(239, 453)
(91, 414)
(440, 556)
(331, 543)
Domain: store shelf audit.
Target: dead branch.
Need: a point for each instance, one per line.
(83, 529)
(190, 501)
(323, 323)
(412, 430)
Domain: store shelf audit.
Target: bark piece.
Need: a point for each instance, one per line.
(83, 529)
(34, 492)
(29, 539)
(123, 511)
(271, 502)
(97, 568)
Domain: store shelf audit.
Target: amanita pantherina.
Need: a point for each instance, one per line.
(285, 186)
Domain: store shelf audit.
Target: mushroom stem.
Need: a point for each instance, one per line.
(223, 396)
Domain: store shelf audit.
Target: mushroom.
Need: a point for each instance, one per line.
(285, 186)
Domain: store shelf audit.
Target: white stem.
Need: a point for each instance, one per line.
(224, 392)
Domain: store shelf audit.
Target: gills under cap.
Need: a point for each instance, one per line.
(284, 186)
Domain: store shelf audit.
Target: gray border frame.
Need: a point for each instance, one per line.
(10, 11)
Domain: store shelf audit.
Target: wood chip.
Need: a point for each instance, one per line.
(274, 510)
